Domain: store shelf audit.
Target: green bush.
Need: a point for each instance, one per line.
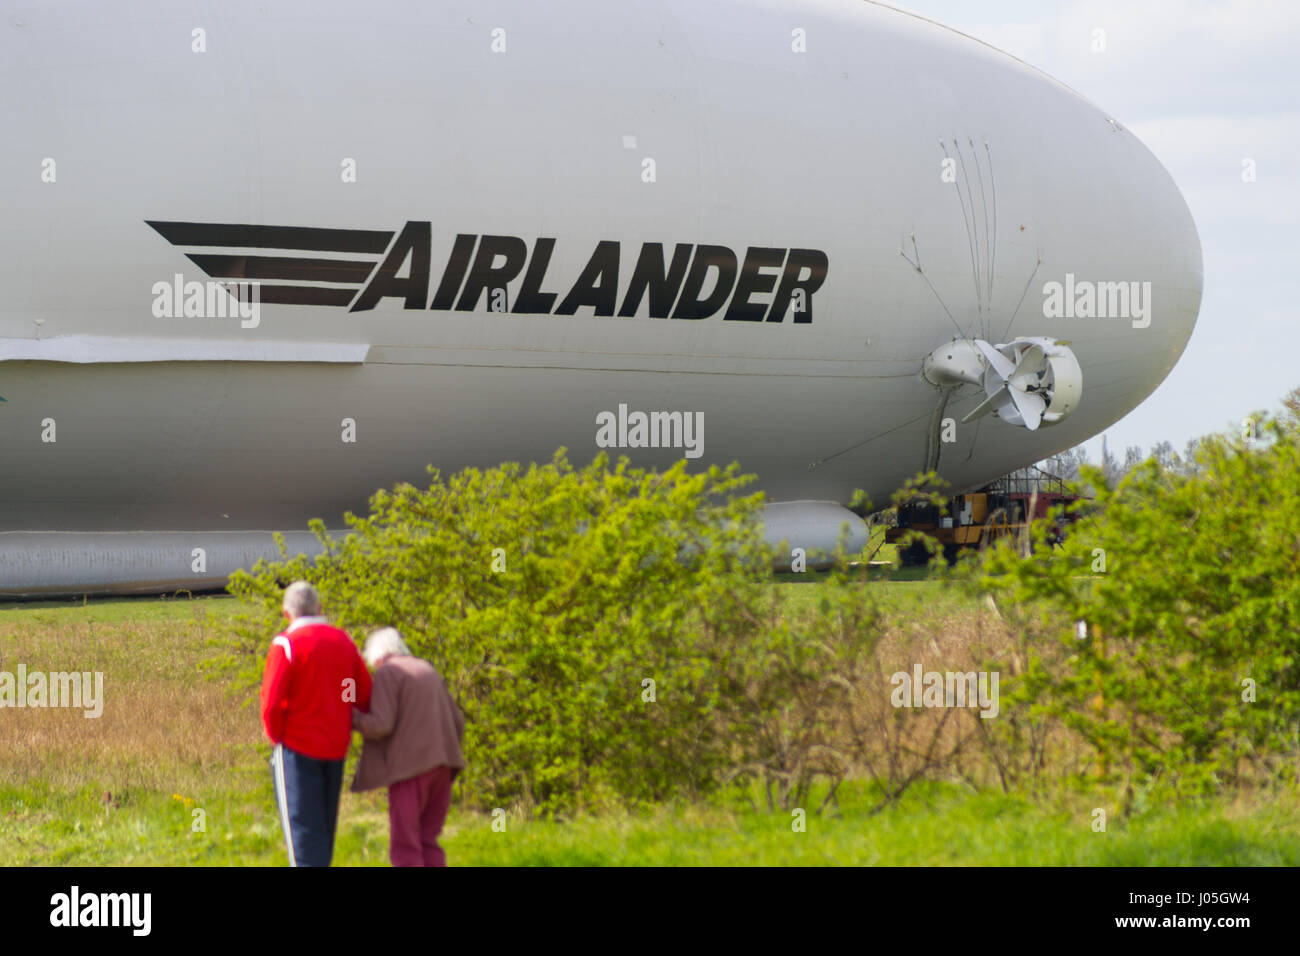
(549, 598)
(1188, 583)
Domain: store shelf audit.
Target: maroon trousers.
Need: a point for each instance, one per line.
(417, 809)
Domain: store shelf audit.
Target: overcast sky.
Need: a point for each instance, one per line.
(1205, 84)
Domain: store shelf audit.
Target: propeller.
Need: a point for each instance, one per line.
(1029, 381)
(1014, 389)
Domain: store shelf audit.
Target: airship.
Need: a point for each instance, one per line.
(262, 258)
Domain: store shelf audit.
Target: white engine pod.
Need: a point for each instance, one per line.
(1030, 381)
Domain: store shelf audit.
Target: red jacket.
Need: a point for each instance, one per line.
(307, 699)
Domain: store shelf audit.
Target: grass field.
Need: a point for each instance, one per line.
(123, 789)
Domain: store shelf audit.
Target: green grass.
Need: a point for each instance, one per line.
(933, 826)
(121, 790)
(130, 610)
(906, 592)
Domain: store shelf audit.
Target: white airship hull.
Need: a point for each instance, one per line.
(575, 131)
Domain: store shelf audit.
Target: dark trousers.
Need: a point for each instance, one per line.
(307, 794)
(417, 809)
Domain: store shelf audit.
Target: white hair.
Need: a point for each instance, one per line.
(385, 642)
(301, 600)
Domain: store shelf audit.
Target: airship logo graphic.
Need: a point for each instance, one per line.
(360, 269)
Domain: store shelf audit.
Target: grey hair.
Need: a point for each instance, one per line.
(301, 600)
(385, 642)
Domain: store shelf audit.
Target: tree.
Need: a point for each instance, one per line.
(1132, 458)
(1110, 467)
(1066, 464)
(1185, 587)
(1165, 456)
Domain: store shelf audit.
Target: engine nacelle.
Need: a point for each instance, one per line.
(1030, 381)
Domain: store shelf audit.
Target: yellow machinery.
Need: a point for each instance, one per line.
(977, 519)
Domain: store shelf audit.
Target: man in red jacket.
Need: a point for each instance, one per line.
(314, 677)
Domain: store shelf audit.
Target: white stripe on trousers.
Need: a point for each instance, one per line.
(282, 798)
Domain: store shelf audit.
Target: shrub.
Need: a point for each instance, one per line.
(1188, 584)
(594, 624)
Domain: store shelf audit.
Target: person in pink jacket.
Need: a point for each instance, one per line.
(411, 745)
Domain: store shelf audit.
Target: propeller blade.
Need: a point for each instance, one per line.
(1030, 407)
(1000, 363)
(1032, 359)
(986, 406)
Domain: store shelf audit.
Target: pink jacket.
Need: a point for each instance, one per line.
(412, 726)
